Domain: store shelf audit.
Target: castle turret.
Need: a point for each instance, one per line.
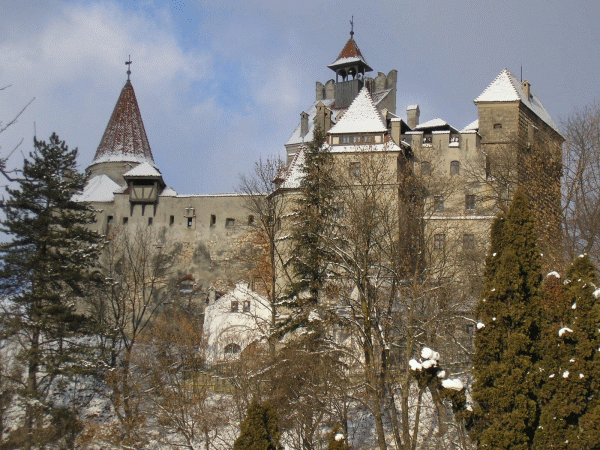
(124, 144)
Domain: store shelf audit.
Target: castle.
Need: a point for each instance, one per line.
(460, 170)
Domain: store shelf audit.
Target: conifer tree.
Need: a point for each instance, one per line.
(570, 417)
(260, 429)
(507, 343)
(46, 268)
(314, 210)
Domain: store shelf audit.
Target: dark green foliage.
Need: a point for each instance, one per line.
(507, 350)
(339, 444)
(571, 393)
(46, 268)
(259, 430)
(314, 211)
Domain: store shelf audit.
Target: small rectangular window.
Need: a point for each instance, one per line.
(234, 306)
(469, 202)
(143, 209)
(125, 220)
(468, 241)
(229, 223)
(250, 219)
(150, 220)
(438, 241)
(213, 220)
(171, 220)
(246, 306)
(190, 222)
(438, 202)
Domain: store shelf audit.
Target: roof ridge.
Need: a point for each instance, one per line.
(361, 116)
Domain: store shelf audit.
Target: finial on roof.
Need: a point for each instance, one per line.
(128, 64)
(352, 27)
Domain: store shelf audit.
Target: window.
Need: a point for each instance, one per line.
(213, 220)
(469, 202)
(497, 126)
(171, 220)
(229, 223)
(357, 139)
(425, 168)
(338, 210)
(367, 138)
(468, 241)
(250, 219)
(355, 169)
(454, 167)
(246, 306)
(143, 208)
(438, 241)
(427, 139)
(125, 220)
(346, 139)
(191, 222)
(438, 202)
(232, 349)
(109, 222)
(234, 306)
(150, 220)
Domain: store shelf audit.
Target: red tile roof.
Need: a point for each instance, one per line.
(125, 137)
(349, 52)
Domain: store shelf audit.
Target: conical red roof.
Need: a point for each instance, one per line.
(350, 54)
(125, 137)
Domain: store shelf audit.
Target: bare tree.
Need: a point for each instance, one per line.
(581, 183)
(136, 266)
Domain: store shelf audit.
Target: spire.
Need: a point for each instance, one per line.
(350, 55)
(125, 139)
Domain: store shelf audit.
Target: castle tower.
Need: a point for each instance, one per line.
(124, 144)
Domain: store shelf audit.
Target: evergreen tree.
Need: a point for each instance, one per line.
(314, 211)
(259, 430)
(507, 347)
(570, 398)
(46, 268)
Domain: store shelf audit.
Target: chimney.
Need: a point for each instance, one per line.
(396, 130)
(527, 89)
(303, 124)
(323, 117)
(412, 116)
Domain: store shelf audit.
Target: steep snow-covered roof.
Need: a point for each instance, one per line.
(362, 116)
(143, 170)
(507, 88)
(98, 189)
(125, 138)
(295, 171)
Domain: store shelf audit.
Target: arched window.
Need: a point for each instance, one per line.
(232, 349)
(454, 167)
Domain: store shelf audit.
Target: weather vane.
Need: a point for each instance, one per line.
(352, 27)
(128, 64)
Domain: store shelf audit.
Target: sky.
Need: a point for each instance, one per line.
(222, 84)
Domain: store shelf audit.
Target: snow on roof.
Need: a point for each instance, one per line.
(144, 169)
(295, 171)
(473, 126)
(98, 189)
(507, 88)
(411, 107)
(434, 123)
(362, 116)
(389, 146)
(124, 138)
(168, 192)
(350, 54)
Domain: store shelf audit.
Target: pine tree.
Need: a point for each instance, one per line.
(46, 268)
(259, 430)
(570, 398)
(507, 346)
(314, 211)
